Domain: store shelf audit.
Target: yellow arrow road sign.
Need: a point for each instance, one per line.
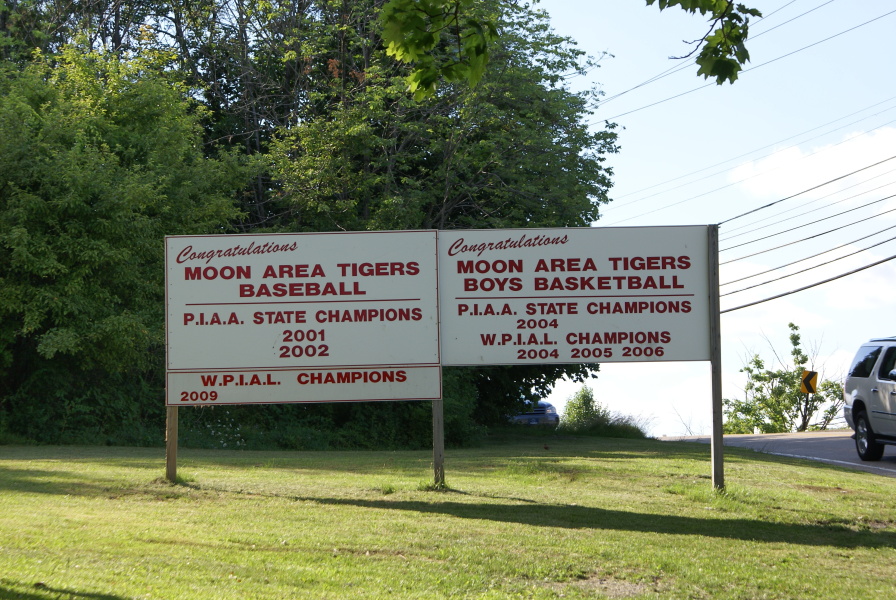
(809, 382)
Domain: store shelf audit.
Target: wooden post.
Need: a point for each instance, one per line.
(438, 442)
(171, 444)
(715, 350)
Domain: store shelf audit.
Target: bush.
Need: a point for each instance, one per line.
(583, 415)
(582, 412)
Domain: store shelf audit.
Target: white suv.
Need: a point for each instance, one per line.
(869, 395)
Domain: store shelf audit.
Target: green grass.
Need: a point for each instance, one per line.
(582, 518)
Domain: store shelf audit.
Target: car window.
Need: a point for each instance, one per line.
(887, 364)
(863, 363)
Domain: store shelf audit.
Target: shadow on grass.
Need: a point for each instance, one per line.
(66, 480)
(40, 481)
(40, 591)
(582, 517)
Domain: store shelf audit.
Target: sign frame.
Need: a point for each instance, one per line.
(282, 316)
(574, 295)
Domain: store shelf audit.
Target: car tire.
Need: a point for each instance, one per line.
(867, 447)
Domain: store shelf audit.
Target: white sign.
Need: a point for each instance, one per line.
(302, 317)
(580, 295)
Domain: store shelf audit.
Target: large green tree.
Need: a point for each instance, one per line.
(513, 151)
(100, 157)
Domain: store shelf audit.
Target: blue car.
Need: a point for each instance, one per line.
(543, 413)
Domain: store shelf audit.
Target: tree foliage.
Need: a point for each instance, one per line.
(101, 158)
(123, 121)
(450, 40)
(463, 158)
(773, 402)
(365, 156)
(722, 52)
(583, 412)
(444, 40)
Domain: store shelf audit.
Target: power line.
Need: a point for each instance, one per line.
(777, 10)
(761, 33)
(772, 145)
(806, 269)
(771, 235)
(845, 31)
(769, 205)
(677, 68)
(805, 204)
(807, 287)
(820, 41)
(864, 237)
(733, 183)
(811, 237)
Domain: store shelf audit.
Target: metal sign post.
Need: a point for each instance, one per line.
(438, 442)
(171, 444)
(715, 346)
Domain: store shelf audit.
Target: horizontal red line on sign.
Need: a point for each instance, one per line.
(302, 302)
(580, 297)
(307, 368)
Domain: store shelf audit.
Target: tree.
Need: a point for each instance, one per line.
(101, 158)
(515, 151)
(121, 121)
(773, 402)
(450, 40)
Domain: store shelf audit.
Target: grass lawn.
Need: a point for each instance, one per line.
(539, 518)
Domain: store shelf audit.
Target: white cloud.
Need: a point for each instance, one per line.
(795, 169)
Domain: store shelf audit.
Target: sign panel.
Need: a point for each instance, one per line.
(575, 295)
(302, 317)
(809, 382)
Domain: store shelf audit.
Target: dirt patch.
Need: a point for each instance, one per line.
(608, 586)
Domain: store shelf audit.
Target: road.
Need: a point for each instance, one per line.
(833, 447)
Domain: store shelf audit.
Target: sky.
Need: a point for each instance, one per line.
(804, 128)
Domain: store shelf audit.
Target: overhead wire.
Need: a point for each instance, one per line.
(811, 237)
(815, 187)
(753, 68)
(815, 222)
(745, 154)
(810, 202)
(805, 204)
(807, 269)
(677, 68)
(763, 32)
(807, 287)
(864, 237)
(733, 183)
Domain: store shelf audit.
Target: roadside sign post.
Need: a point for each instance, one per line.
(373, 316)
(715, 341)
(626, 294)
(171, 444)
(299, 318)
(438, 442)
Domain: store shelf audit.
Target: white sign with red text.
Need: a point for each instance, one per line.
(302, 317)
(577, 295)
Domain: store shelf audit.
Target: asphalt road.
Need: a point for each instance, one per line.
(833, 447)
